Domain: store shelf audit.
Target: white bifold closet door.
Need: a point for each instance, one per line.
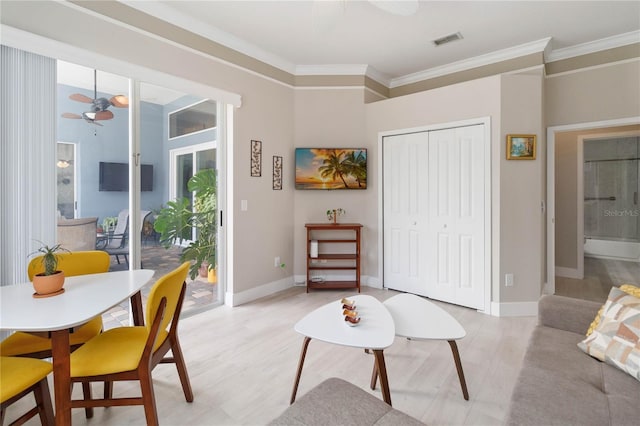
(434, 214)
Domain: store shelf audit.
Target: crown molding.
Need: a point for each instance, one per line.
(594, 46)
(175, 17)
(475, 62)
(378, 76)
(331, 69)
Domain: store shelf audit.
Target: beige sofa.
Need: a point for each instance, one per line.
(559, 384)
(337, 402)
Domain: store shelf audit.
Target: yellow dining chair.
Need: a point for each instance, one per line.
(73, 263)
(19, 377)
(131, 353)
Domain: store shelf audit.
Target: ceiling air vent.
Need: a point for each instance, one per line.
(447, 39)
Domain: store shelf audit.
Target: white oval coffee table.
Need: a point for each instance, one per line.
(419, 319)
(375, 331)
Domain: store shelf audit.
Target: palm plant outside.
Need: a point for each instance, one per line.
(177, 220)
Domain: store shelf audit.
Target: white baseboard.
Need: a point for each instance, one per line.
(235, 299)
(561, 271)
(514, 309)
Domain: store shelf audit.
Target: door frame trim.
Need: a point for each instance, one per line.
(488, 233)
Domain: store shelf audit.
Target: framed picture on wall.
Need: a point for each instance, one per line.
(277, 172)
(256, 158)
(521, 147)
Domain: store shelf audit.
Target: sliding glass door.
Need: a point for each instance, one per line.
(119, 166)
(66, 180)
(185, 163)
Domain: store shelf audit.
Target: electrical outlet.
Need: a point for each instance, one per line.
(276, 261)
(508, 280)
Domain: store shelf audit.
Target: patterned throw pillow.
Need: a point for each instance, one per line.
(631, 289)
(616, 340)
(627, 288)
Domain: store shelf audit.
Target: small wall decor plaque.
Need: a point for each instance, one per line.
(521, 147)
(256, 158)
(277, 172)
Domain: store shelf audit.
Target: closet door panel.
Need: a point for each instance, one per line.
(456, 192)
(434, 194)
(405, 160)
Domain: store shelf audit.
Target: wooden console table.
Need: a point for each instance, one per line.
(328, 261)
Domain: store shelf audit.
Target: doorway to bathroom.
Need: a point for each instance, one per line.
(611, 211)
(570, 180)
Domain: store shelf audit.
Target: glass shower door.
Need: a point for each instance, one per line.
(611, 187)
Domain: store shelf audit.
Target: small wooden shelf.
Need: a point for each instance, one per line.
(349, 261)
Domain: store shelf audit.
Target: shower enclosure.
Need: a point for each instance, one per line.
(611, 205)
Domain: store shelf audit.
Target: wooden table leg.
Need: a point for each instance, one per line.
(303, 354)
(61, 376)
(382, 370)
(374, 374)
(456, 358)
(136, 309)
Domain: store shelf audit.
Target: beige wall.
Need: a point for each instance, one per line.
(331, 118)
(522, 232)
(593, 94)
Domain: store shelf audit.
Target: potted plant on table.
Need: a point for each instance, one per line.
(334, 213)
(50, 281)
(176, 222)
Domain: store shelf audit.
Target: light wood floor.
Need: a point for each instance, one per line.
(242, 363)
(599, 276)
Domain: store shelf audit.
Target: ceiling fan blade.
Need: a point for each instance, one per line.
(103, 115)
(71, 115)
(119, 101)
(80, 98)
(398, 7)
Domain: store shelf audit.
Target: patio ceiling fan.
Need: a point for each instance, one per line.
(99, 106)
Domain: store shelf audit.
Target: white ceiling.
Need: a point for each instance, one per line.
(300, 36)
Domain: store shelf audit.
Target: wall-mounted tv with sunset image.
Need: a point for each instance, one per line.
(331, 168)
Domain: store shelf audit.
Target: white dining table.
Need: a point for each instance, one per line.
(85, 296)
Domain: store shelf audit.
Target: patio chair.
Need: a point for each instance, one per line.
(20, 377)
(118, 244)
(77, 234)
(131, 353)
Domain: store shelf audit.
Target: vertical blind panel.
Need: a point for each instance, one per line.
(27, 160)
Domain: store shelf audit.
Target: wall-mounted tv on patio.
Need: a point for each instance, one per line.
(331, 168)
(115, 177)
